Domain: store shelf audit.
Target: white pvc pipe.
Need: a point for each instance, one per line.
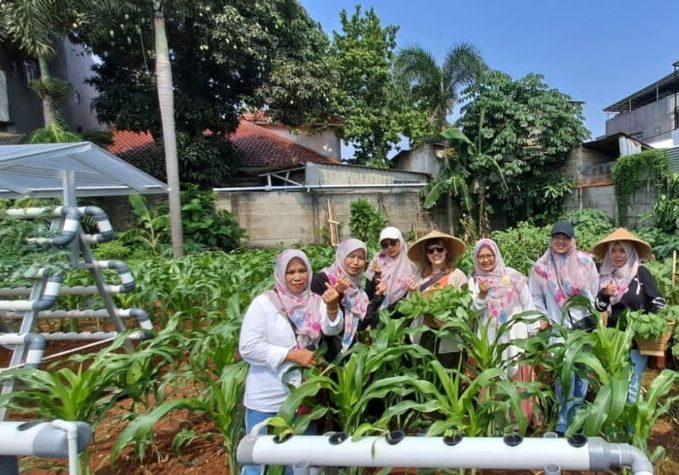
(71, 430)
(318, 187)
(423, 452)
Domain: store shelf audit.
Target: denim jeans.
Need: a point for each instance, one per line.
(576, 396)
(639, 363)
(253, 418)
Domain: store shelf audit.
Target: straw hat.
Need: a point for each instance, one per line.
(622, 234)
(418, 252)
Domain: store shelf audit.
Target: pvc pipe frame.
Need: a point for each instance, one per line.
(71, 430)
(34, 341)
(432, 452)
(46, 300)
(72, 220)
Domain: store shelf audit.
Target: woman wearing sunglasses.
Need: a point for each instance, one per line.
(435, 257)
(389, 271)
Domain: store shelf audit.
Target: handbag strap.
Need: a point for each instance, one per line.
(435, 278)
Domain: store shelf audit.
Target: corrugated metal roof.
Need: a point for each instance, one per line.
(673, 155)
(38, 170)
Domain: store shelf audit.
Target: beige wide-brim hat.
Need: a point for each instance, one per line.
(622, 234)
(418, 252)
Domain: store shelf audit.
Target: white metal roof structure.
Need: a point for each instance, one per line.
(39, 170)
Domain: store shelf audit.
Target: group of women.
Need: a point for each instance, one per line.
(283, 327)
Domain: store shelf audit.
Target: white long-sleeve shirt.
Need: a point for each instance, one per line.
(266, 337)
(518, 331)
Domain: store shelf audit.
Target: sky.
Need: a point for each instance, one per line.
(596, 51)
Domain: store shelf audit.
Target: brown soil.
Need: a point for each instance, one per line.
(206, 455)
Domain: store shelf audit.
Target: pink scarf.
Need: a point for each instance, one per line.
(505, 282)
(563, 275)
(303, 309)
(621, 276)
(396, 270)
(354, 299)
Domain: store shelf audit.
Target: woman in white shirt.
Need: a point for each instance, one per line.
(281, 330)
(501, 292)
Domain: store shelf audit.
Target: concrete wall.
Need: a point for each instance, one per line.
(75, 66)
(603, 198)
(421, 159)
(322, 140)
(72, 64)
(285, 218)
(325, 174)
(652, 123)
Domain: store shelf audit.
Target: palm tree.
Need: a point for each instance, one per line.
(434, 89)
(34, 25)
(166, 105)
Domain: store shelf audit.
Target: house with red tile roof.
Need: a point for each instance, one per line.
(261, 146)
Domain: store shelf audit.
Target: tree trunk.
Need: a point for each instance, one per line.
(48, 113)
(166, 104)
(449, 203)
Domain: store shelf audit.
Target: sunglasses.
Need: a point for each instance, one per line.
(435, 249)
(389, 243)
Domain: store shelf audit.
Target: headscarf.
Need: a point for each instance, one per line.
(396, 270)
(304, 308)
(621, 276)
(354, 299)
(505, 282)
(563, 275)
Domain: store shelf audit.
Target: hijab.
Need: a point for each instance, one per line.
(505, 283)
(303, 309)
(396, 270)
(563, 275)
(354, 299)
(621, 276)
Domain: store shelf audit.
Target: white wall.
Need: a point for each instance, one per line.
(655, 121)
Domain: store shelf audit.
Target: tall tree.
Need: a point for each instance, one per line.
(166, 105)
(432, 88)
(225, 55)
(525, 130)
(365, 95)
(34, 26)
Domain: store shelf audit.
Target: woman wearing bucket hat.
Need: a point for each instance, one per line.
(626, 284)
(389, 271)
(435, 256)
(561, 273)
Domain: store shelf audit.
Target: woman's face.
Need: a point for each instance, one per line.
(392, 247)
(296, 276)
(354, 263)
(436, 253)
(561, 243)
(618, 255)
(486, 259)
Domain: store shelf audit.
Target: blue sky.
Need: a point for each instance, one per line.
(596, 51)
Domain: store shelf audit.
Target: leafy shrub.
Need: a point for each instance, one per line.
(591, 225)
(205, 225)
(631, 171)
(366, 222)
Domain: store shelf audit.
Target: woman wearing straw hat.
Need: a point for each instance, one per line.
(625, 284)
(435, 256)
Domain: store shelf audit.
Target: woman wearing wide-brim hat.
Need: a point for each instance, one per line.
(435, 257)
(625, 284)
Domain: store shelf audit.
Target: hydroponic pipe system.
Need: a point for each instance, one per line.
(42, 439)
(511, 452)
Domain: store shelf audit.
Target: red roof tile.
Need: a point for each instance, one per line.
(258, 147)
(125, 141)
(261, 148)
